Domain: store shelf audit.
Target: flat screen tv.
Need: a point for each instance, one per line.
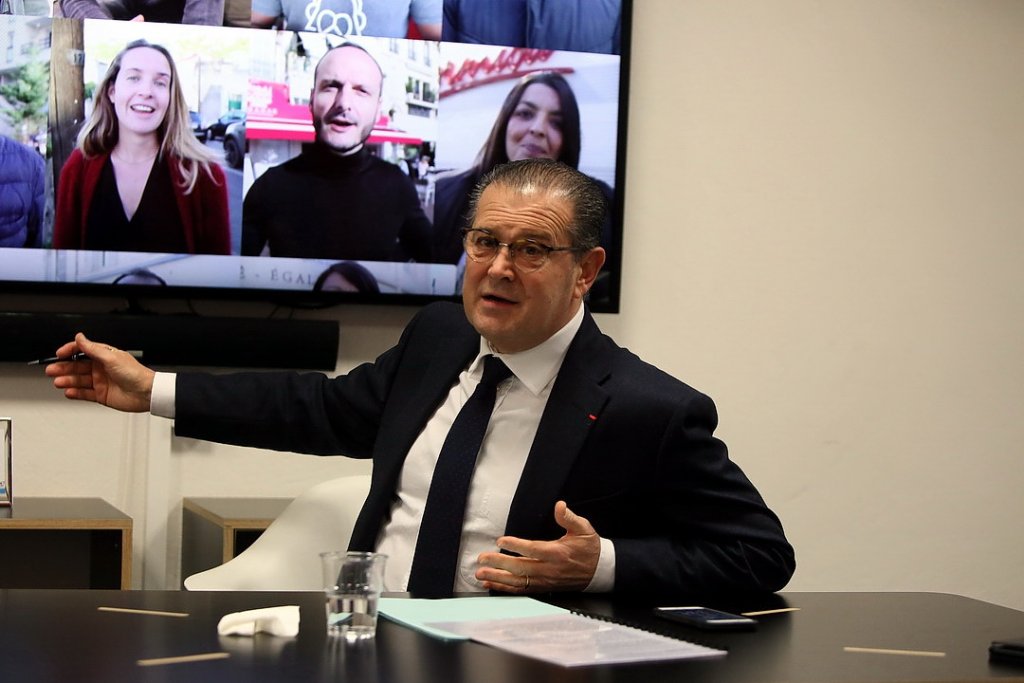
(247, 91)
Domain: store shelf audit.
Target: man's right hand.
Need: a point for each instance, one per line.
(110, 377)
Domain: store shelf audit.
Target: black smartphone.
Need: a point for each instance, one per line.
(707, 618)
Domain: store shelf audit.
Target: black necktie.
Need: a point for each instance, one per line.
(437, 547)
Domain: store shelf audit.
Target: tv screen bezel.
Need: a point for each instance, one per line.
(322, 299)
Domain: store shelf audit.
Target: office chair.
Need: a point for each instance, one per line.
(286, 557)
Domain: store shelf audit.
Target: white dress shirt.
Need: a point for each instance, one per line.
(517, 411)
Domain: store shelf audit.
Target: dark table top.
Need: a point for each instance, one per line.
(59, 635)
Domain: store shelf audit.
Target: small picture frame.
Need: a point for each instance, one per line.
(5, 461)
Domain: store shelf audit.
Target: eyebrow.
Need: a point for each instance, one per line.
(528, 234)
(139, 71)
(535, 107)
(323, 82)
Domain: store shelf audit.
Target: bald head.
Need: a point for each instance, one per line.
(345, 100)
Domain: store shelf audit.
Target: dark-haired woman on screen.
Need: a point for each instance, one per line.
(347, 276)
(138, 179)
(539, 119)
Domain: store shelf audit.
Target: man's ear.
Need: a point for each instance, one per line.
(590, 266)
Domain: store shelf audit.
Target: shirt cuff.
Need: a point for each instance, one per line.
(604, 577)
(161, 399)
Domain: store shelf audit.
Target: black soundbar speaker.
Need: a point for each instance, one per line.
(173, 340)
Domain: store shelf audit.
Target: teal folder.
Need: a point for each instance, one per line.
(417, 613)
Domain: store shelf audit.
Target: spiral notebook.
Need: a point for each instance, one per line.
(536, 629)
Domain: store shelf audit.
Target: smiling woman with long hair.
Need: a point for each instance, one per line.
(538, 119)
(138, 179)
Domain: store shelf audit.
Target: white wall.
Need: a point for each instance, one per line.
(824, 232)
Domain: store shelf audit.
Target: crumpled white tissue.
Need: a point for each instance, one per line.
(277, 621)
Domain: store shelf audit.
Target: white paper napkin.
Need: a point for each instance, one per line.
(277, 621)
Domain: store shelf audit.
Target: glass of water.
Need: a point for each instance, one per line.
(352, 583)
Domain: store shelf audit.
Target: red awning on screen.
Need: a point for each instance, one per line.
(379, 135)
(278, 129)
(273, 116)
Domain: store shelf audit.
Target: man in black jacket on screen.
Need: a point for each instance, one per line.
(336, 200)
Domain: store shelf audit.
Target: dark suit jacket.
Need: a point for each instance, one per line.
(624, 444)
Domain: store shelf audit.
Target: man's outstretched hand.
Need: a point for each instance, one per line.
(110, 376)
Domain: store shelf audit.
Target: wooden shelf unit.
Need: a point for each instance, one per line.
(65, 543)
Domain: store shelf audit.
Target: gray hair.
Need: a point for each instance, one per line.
(589, 207)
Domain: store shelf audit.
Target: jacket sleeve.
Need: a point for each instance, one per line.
(254, 220)
(289, 411)
(416, 230)
(84, 9)
(37, 211)
(709, 531)
(67, 221)
(214, 226)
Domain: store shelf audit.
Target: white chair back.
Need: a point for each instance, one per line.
(286, 556)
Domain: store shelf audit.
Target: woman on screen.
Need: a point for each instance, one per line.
(347, 276)
(138, 179)
(539, 119)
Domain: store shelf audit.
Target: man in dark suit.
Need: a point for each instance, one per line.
(598, 471)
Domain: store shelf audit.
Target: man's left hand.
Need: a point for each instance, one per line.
(567, 564)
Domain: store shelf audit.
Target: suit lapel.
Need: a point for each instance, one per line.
(432, 374)
(429, 367)
(576, 402)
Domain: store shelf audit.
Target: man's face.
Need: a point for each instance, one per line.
(513, 310)
(345, 99)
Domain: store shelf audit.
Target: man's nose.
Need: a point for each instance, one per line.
(343, 98)
(502, 266)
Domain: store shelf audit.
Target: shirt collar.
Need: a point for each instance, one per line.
(536, 367)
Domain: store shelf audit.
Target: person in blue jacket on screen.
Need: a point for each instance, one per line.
(22, 194)
(597, 471)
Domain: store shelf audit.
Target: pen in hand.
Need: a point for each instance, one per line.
(56, 359)
(81, 355)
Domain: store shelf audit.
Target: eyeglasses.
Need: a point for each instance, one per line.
(525, 254)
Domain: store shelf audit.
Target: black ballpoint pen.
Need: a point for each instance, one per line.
(56, 359)
(80, 355)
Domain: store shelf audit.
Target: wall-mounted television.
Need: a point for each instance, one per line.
(274, 208)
